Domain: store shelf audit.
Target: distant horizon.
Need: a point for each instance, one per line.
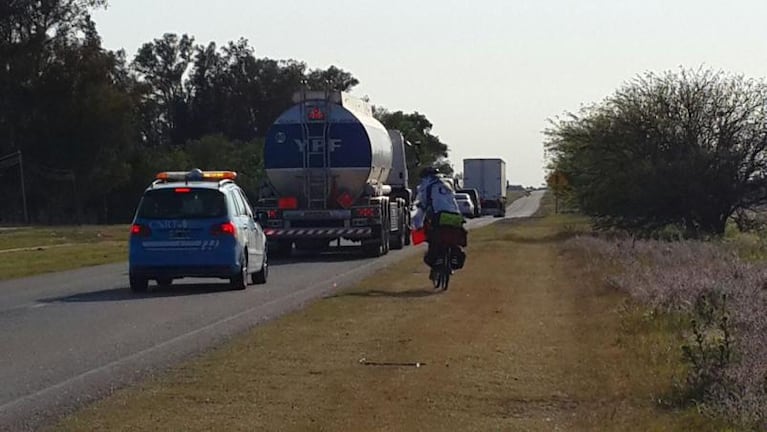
(488, 74)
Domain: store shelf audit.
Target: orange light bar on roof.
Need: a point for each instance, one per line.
(171, 176)
(219, 175)
(196, 175)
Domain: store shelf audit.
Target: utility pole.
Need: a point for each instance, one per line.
(10, 161)
(23, 188)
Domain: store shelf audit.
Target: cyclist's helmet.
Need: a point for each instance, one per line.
(429, 172)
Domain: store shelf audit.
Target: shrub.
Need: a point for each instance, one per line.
(725, 299)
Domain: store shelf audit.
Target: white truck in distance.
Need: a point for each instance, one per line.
(488, 177)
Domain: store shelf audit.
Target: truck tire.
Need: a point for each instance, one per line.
(407, 227)
(281, 249)
(386, 241)
(372, 248)
(398, 237)
(375, 246)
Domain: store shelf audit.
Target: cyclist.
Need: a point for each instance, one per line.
(438, 211)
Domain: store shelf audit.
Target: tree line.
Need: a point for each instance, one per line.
(683, 150)
(93, 126)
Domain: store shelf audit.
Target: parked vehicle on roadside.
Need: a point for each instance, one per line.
(465, 204)
(474, 195)
(196, 224)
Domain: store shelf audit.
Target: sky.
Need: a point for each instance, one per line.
(488, 74)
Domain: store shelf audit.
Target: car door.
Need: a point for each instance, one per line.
(255, 233)
(243, 230)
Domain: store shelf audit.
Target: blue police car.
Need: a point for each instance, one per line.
(196, 224)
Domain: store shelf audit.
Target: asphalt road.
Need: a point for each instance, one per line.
(69, 338)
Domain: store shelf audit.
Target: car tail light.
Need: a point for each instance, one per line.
(183, 190)
(271, 214)
(226, 228)
(139, 230)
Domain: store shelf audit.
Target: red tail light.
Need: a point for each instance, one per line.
(140, 230)
(271, 214)
(226, 228)
(183, 190)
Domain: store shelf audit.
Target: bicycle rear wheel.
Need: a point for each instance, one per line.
(446, 270)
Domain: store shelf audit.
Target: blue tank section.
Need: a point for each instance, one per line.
(347, 146)
(357, 150)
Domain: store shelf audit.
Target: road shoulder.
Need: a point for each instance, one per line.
(525, 339)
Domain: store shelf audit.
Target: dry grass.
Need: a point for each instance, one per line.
(525, 340)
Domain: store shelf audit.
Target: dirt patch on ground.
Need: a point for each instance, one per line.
(524, 340)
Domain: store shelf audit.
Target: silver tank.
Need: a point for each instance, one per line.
(331, 142)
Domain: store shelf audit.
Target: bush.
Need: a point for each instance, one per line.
(725, 299)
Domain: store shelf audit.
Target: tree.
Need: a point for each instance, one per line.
(331, 78)
(426, 149)
(686, 148)
(162, 65)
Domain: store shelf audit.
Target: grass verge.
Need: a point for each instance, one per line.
(34, 250)
(526, 339)
(33, 262)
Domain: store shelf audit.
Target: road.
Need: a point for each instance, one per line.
(72, 337)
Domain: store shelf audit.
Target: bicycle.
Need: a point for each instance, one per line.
(444, 270)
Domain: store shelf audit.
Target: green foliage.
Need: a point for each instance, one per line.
(425, 149)
(94, 127)
(684, 148)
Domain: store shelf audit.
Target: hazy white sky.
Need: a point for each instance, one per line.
(487, 73)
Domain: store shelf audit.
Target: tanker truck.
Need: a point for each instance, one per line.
(333, 173)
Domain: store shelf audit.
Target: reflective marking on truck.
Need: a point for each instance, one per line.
(318, 232)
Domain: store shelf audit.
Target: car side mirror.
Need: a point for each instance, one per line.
(262, 218)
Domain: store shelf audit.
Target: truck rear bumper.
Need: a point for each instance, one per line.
(317, 233)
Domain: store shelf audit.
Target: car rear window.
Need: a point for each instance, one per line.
(173, 204)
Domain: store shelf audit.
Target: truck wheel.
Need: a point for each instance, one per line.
(407, 230)
(372, 248)
(281, 249)
(375, 247)
(386, 237)
(398, 239)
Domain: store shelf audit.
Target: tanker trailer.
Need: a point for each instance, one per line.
(327, 161)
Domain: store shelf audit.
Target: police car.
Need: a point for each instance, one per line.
(196, 224)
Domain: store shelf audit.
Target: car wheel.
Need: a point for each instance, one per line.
(240, 280)
(261, 276)
(138, 284)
